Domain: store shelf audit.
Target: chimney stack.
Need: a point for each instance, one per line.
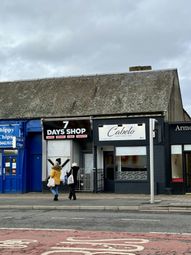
(139, 68)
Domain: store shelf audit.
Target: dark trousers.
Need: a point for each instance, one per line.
(72, 192)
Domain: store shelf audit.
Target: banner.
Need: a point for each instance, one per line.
(67, 129)
(7, 133)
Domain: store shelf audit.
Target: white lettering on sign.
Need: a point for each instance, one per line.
(6, 130)
(73, 129)
(76, 131)
(70, 131)
(122, 132)
(56, 132)
(117, 131)
(183, 128)
(118, 246)
(6, 137)
(65, 123)
(6, 143)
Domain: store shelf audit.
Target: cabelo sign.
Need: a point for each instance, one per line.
(122, 132)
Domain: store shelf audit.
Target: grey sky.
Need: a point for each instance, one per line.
(45, 38)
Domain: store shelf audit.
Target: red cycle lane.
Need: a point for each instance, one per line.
(52, 242)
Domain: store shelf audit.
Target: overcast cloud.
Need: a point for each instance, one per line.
(45, 38)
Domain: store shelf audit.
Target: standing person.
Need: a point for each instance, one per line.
(55, 173)
(74, 170)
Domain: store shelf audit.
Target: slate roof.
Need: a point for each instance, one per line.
(132, 92)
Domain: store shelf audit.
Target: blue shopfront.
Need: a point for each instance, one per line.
(20, 156)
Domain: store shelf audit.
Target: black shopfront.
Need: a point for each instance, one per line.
(180, 157)
(122, 150)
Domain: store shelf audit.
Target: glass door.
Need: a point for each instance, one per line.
(9, 166)
(109, 184)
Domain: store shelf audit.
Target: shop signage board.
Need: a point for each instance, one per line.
(122, 132)
(180, 132)
(67, 129)
(182, 127)
(7, 134)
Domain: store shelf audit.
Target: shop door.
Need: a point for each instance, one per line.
(188, 171)
(109, 184)
(34, 169)
(36, 173)
(9, 174)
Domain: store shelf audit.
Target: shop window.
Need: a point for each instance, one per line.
(176, 163)
(14, 166)
(59, 149)
(131, 163)
(187, 147)
(88, 162)
(10, 166)
(7, 166)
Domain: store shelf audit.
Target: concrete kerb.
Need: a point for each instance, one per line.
(130, 208)
(94, 202)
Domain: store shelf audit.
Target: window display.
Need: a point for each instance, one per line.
(131, 163)
(176, 163)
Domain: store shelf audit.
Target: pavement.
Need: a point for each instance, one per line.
(98, 202)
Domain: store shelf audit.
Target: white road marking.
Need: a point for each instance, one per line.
(140, 220)
(170, 233)
(78, 218)
(58, 218)
(121, 246)
(16, 243)
(62, 218)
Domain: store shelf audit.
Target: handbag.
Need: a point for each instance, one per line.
(51, 182)
(65, 180)
(70, 179)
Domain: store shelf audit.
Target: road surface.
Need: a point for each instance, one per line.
(45, 242)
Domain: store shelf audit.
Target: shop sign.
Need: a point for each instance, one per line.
(67, 129)
(122, 132)
(7, 134)
(179, 128)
